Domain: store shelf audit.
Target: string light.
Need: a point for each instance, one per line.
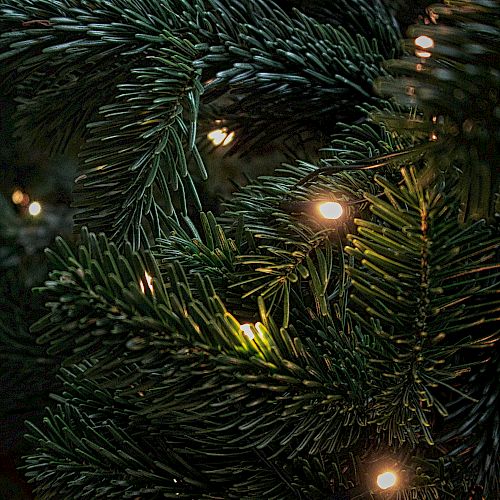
(149, 281)
(20, 198)
(17, 197)
(35, 209)
(228, 139)
(247, 330)
(423, 42)
(221, 137)
(423, 54)
(260, 328)
(331, 210)
(386, 480)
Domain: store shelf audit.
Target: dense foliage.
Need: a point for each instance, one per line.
(273, 353)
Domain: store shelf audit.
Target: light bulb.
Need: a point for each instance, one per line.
(424, 42)
(35, 208)
(247, 330)
(229, 139)
(386, 480)
(330, 210)
(220, 136)
(149, 281)
(17, 197)
(423, 54)
(217, 136)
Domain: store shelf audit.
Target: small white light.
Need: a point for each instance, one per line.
(331, 210)
(229, 139)
(35, 208)
(424, 42)
(221, 137)
(149, 281)
(386, 480)
(423, 54)
(247, 330)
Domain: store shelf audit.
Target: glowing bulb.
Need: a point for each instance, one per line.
(221, 136)
(424, 42)
(35, 208)
(149, 281)
(228, 139)
(423, 54)
(217, 136)
(17, 197)
(331, 210)
(386, 480)
(247, 330)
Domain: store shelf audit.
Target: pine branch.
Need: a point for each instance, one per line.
(130, 182)
(146, 61)
(165, 392)
(423, 288)
(147, 99)
(288, 249)
(272, 62)
(79, 456)
(183, 365)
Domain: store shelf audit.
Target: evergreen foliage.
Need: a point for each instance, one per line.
(371, 340)
(457, 92)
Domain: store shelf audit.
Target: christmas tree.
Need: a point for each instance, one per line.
(330, 330)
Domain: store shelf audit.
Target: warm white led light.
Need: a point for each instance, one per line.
(221, 137)
(330, 209)
(424, 42)
(149, 281)
(423, 54)
(217, 136)
(386, 480)
(229, 139)
(247, 330)
(17, 197)
(35, 208)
